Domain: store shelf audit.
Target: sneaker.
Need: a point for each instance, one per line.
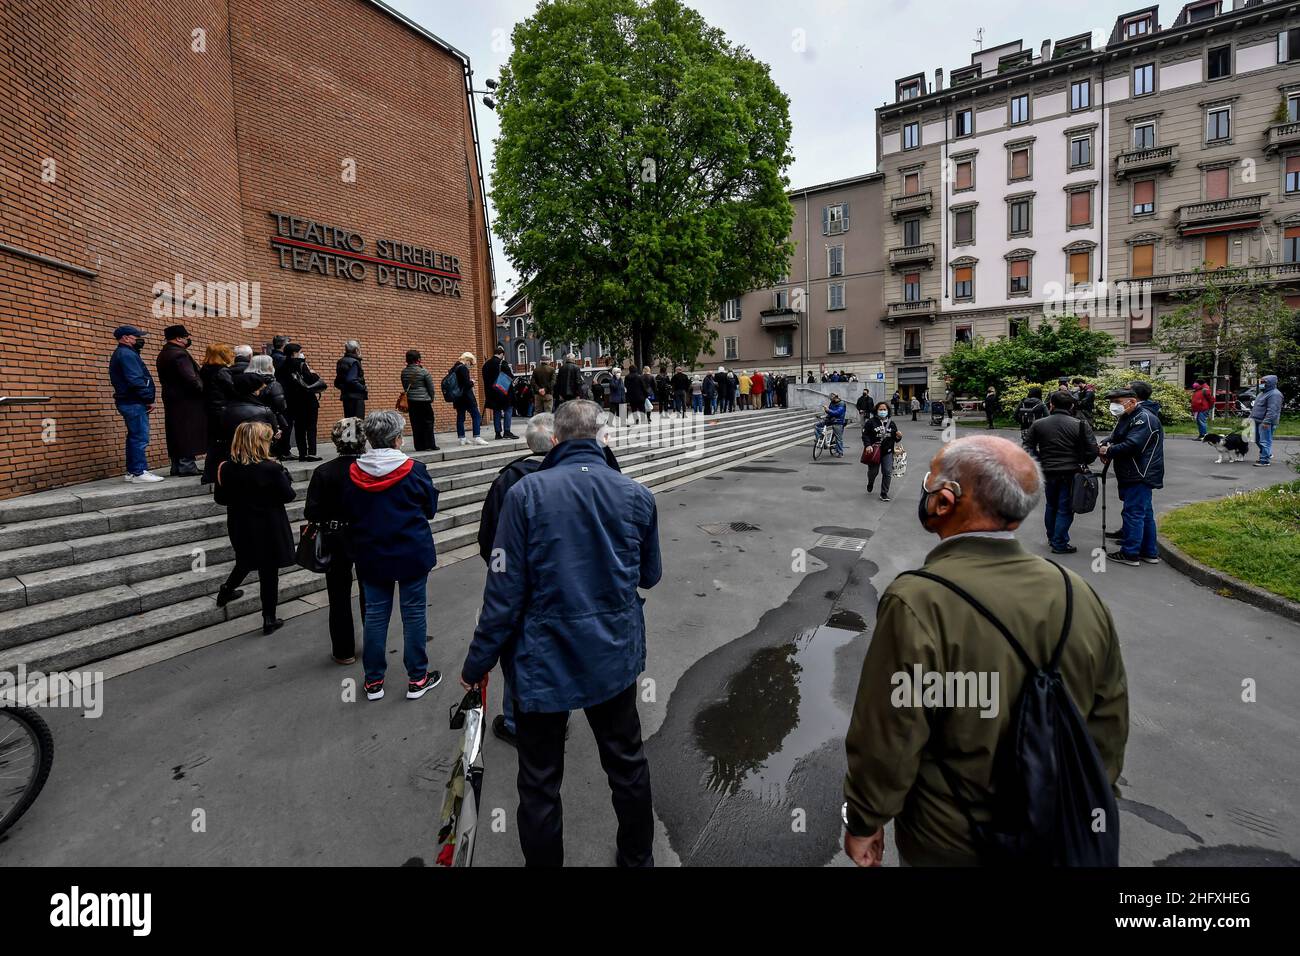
(1068, 549)
(146, 477)
(885, 497)
(1150, 560)
(343, 660)
(1262, 464)
(415, 689)
(464, 441)
(375, 689)
(480, 441)
(501, 732)
(1123, 558)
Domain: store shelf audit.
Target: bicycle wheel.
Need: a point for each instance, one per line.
(819, 445)
(26, 753)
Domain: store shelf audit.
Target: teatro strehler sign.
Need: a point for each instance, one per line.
(305, 245)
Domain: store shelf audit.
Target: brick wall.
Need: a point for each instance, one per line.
(170, 160)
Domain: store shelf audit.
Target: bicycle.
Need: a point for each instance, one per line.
(826, 441)
(26, 754)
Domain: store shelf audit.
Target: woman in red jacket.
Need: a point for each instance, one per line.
(1202, 402)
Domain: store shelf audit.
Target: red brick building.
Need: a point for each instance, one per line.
(141, 141)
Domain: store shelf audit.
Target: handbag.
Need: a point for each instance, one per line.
(313, 552)
(403, 403)
(871, 454)
(900, 463)
(1084, 491)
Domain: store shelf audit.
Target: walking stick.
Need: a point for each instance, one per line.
(1104, 469)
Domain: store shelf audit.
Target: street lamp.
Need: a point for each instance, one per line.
(799, 302)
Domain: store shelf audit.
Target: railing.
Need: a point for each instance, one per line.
(24, 400)
(1158, 157)
(915, 202)
(910, 254)
(1216, 209)
(778, 318)
(1286, 134)
(1180, 281)
(905, 310)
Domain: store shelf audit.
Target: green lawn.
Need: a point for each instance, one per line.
(1254, 536)
(1290, 425)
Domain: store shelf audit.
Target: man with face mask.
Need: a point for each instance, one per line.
(133, 394)
(1136, 449)
(1266, 413)
(186, 417)
(903, 759)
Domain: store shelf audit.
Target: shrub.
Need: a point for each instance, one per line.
(1175, 401)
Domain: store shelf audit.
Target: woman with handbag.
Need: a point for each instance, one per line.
(879, 438)
(417, 400)
(497, 379)
(254, 487)
(325, 512)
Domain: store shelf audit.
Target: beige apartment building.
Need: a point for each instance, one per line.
(826, 314)
(1039, 179)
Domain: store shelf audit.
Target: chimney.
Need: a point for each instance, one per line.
(1047, 50)
(938, 80)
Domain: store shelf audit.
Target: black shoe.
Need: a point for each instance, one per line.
(270, 626)
(501, 732)
(1123, 558)
(1115, 535)
(310, 458)
(871, 486)
(415, 689)
(512, 436)
(885, 497)
(224, 597)
(1068, 549)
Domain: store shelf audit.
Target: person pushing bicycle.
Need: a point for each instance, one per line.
(833, 415)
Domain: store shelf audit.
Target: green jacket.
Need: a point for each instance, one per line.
(892, 772)
(418, 384)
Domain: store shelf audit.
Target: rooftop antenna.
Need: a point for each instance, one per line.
(979, 38)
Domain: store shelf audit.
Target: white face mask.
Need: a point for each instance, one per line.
(882, 413)
(1116, 409)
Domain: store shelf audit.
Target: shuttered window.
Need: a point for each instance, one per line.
(1081, 208)
(1291, 245)
(911, 184)
(1216, 252)
(965, 175)
(1144, 197)
(1293, 174)
(1080, 267)
(1020, 164)
(963, 278)
(1144, 259)
(1216, 184)
(1019, 276)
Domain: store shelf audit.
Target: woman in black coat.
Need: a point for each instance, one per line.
(636, 394)
(500, 405)
(218, 391)
(302, 388)
(255, 488)
(879, 429)
(246, 406)
(468, 402)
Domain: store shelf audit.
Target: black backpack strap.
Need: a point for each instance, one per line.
(1054, 665)
(989, 615)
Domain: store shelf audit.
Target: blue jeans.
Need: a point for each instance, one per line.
(1139, 522)
(501, 419)
(1202, 422)
(1264, 436)
(837, 439)
(379, 608)
(1057, 512)
(137, 437)
(474, 415)
(697, 403)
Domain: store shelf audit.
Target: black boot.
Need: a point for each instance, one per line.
(270, 625)
(224, 597)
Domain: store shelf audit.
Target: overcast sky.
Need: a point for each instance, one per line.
(852, 52)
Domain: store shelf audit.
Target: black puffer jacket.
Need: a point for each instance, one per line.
(1061, 442)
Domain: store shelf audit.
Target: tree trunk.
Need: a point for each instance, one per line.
(1214, 389)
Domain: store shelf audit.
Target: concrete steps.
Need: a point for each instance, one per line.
(91, 572)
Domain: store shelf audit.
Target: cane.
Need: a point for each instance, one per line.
(1105, 468)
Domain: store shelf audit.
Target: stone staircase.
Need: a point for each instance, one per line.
(95, 570)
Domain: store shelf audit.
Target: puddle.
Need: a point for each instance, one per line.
(779, 710)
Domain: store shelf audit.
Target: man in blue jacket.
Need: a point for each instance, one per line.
(133, 394)
(1266, 413)
(561, 611)
(1137, 449)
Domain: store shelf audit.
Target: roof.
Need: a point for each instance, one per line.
(839, 184)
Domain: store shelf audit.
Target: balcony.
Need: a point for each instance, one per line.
(921, 202)
(1280, 137)
(779, 318)
(1176, 282)
(922, 255)
(1222, 215)
(1160, 159)
(923, 309)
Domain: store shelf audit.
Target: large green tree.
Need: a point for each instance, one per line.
(1040, 354)
(639, 177)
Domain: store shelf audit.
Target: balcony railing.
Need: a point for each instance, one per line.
(1174, 282)
(921, 202)
(1225, 211)
(1156, 159)
(779, 318)
(1286, 134)
(912, 255)
(922, 309)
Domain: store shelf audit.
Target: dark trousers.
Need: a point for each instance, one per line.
(422, 426)
(988, 414)
(617, 728)
(884, 471)
(338, 583)
(304, 427)
(282, 446)
(354, 406)
(268, 583)
(1058, 508)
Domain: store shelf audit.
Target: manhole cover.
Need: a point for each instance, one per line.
(840, 543)
(813, 488)
(729, 527)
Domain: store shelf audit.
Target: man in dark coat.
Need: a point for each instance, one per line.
(563, 615)
(681, 388)
(568, 382)
(636, 395)
(1137, 449)
(709, 389)
(182, 394)
(1063, 444)
(133, 395)
(350, 380)
(497, 402)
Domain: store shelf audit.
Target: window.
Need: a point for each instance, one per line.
(835, 261)
(520, 328)
(1079, 268)
(1020, 166)
(835, 219)
(1144, 259)
(911, 184)
(1020, 212)
(912, 287)
(1144, 136)
(783, 345)
(835, 296)
(1137, 27)
(1080, 208)
(780, 300)
(1288, 45)
(521, 354)
(1218, 124)
(1219, 63)
(964, 175)
(1291, 244)
(1216, 184)
(963, 123)
(1216, 251)
(1144, 197)
(1144, 79)
(963, 225)
(911, 136)
(909, 90)
(963, 283)
(1081, 151)
(731, 348)
(1206, 11)
(1080, 95)
(963, 335)
(1139, 327)
(1293, 174)
(1293, 108)
(836, 342)
(548, 351)
(731, 310)
(1016, 326)
(911, 343)
(1018, 277)
(911, 232)
(1019, 109)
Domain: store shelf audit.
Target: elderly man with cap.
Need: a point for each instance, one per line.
(182, 392)
(133, 394)
(1137, 450)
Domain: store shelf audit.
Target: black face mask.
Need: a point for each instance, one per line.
(921, 514)
(139, 345)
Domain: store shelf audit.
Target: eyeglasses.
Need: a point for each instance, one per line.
(953, 486)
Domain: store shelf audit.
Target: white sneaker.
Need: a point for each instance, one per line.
(144, 477)
(464, 441)
(480, 440)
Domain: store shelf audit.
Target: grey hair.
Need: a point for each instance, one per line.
(980, 467)
(384, 429)
(246, 351)
(351, 346)
(578, 418)
(262, 365)
(541, 429)
(348, 435)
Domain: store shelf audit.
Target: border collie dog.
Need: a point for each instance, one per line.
(1231, 443)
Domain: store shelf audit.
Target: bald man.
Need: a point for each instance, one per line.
(976, 494)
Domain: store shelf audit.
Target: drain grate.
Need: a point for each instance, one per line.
(729, 527)
(840, 543)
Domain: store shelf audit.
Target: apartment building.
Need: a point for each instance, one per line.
(826, 312)
(1038, 179)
